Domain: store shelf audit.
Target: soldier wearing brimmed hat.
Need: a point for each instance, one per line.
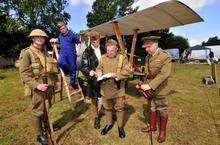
(157, 71)
(32, 69)
(90, 61)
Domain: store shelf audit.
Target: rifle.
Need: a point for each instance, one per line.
(46, 122)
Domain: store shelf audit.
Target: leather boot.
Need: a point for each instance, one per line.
(121, 132)
(97, 123)
(163, 124)
(106, 129)
(152, 121)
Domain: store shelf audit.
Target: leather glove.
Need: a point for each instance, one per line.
(149, 94)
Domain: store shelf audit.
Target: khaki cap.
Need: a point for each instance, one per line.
(150, 39)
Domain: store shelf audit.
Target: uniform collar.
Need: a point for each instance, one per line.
(35, 49)
(155, 52)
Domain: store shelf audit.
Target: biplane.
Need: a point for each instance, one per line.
(164, 15)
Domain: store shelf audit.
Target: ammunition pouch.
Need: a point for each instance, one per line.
(35, 68)
(51, 65)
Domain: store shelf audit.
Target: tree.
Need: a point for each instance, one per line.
(178, 42)
(39, 13)
(19, 17)
(212, 41)
(125, 8)
(102, 11)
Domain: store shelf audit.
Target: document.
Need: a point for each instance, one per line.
(105, 76)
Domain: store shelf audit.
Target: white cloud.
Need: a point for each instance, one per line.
(194, 4)
(77, 2)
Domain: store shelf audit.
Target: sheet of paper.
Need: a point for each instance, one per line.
(105, 76)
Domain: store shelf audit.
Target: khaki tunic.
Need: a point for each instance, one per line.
(31, 74)
(109, 90)
(110, 65)
(157, 71)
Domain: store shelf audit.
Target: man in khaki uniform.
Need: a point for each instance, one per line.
(32, 69)
(157, 71)
(113, 88)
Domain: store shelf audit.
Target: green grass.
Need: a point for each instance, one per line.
(194, 111)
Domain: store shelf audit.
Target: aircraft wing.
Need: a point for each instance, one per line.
(164, 15)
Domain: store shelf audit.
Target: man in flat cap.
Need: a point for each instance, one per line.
(90, 60)
(157, 71)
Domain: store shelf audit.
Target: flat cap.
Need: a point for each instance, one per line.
(94, 35)
(150, 39)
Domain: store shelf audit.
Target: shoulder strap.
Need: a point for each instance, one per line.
(120, 62)
(32, 55)
(148, 65)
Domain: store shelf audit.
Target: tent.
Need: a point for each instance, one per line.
(174, 53)
(216, 50)
(198, 52)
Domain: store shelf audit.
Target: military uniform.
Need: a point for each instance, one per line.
(32, 70)
(113, 91)
(157, 71)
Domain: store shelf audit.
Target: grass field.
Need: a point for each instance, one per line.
(194, 113)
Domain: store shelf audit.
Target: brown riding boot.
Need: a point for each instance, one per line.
(153, 123)
(163, 124)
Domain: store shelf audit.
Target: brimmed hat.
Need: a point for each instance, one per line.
(37, 32)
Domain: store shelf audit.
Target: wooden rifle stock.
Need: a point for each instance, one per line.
(45, 116)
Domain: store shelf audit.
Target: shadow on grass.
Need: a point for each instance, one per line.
(146, 111)
(2, 77)
(66, 131)
(70, 116)
(129, 109)
(131, 90)
(173, 92)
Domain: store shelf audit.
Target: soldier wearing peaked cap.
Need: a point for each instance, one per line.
(157, 71)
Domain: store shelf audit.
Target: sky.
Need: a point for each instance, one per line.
(196, 33)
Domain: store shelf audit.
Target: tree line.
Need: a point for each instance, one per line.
(19, 17)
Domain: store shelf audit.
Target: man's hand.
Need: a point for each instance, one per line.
(114, 75)
(53, 40)
(92, 73)
(42, 87)
(149, 94)
(98, 73)
(138, 86)
(145, 87)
